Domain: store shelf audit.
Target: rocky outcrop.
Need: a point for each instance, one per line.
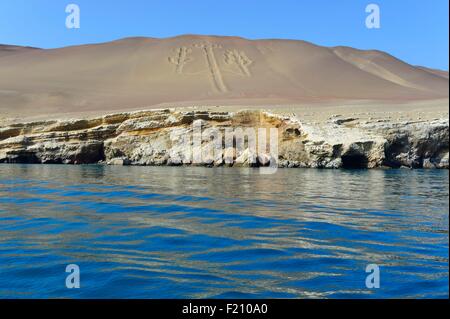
(168, 137)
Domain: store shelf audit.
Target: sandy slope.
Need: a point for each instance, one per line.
(14, 49)
(138, 73)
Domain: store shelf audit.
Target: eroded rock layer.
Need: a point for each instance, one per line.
(153, 138)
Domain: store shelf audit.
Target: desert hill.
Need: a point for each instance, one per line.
(193, 70)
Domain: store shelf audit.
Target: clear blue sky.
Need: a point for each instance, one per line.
(413, 30)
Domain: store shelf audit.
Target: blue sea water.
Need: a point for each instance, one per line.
(171, 232)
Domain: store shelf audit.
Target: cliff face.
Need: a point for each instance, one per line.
(163, 137)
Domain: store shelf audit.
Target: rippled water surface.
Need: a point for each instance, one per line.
(161, 232)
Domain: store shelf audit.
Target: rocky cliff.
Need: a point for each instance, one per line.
(158, 137)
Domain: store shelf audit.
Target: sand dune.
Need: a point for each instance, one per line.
(193, 70)
(440, 73)
(14, 49)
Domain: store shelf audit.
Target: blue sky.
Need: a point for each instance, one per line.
(412, 30)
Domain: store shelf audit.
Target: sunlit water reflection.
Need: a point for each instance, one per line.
(161, 232)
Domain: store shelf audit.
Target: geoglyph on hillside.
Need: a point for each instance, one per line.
(237, 61)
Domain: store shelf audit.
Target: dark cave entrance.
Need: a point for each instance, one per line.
(354, 161)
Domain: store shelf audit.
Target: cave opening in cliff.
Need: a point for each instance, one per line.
(354, 161)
